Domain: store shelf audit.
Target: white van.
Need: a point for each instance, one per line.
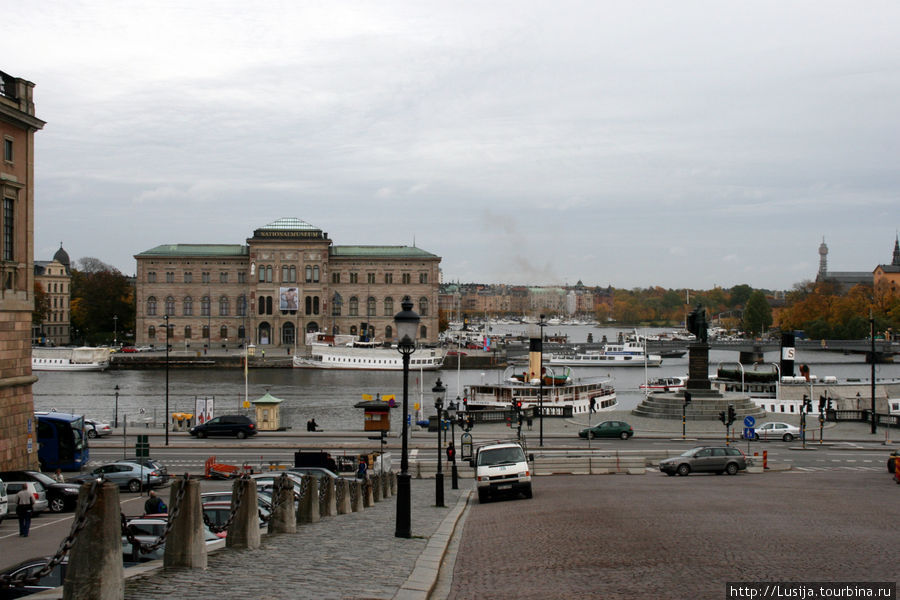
(501, 468)
(4, 501)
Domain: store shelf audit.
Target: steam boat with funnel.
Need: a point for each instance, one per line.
(69, 359)
(626, 354)
(346, 352)
(558, 392)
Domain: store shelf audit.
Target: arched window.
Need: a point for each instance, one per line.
(170, 306)
(293, 274)
(353, 330)
(370, 307)
(187, 332)
(242, 306)
(315, 305)
(262, 305)
(388, 332)
(151, 307)
(308, 274)
(389, 307)
(268, 305)
(262, 273)
(287, 334)
(354, 306)
(423, 306)
(204, 306)
(285, 274)
(269, 274)
(223, 306)
(151, 332)
(242, 332)
(264, 333)
(336, 303)
(188, 305)
(316, 274)
(423, 332)
(223, 332)
(308, 303)
(205, 332)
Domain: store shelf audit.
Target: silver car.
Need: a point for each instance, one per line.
(705, 459)
(35, 488)
(130, 476)
(776, 431)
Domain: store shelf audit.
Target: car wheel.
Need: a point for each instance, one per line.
(732, 469)
(624, 435)
(241, 435)
(756, 437)
(134, 485)
(684, 469)
(201, 434)
(528, 492)
(57, 504)
(788, 437)
(482, 496)
(92, 433)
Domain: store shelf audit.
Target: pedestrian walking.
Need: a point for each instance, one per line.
(361, 468)
(58, 477)
(155, 505)
(24, 510)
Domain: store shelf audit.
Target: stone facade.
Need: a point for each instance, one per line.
(288, 278)
(56, 281)
(18, 443)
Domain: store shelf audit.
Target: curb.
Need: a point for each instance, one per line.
(424, 576)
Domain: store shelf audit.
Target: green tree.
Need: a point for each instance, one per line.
(41, 305)
(757, 313)
(739, 295)
(100, 292)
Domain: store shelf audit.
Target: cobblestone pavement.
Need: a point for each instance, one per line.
(347, 556)
(653, 536)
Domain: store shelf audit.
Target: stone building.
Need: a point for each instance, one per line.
(843, 280)
(287, 278)
(887, 277)
(18, 443)
(55, 278)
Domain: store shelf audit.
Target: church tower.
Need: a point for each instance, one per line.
(823, 261)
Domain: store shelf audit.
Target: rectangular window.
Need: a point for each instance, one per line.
(8, 150)
(389, 278)
(406, 278)
(170, 277)
(205, 276)
(189, 277)
(370, 277)
(423, 277)
(151, 277)
(9, 229)
(354, 278)
(242, 277)
(223, 277)
(336, 277)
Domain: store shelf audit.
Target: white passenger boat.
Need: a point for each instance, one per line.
(662, 385)
(69, 359)
(343, 352)
(625, 354)
(563, 394)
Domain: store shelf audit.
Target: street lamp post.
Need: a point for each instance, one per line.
(439, 391)
(541, 324)
(115, 330)
(166, 415)
(452, 407)
(116, 420)
(407, 323)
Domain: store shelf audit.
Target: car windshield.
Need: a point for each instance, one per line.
(691, 452)
(43, 478)
(500, 456)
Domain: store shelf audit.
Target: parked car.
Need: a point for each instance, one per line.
(608, 429)
(147, 530)
(263, 499)
(4, 501)
(95, 428)
(775, 431)
(239, 426)
(127, 475)
(150, 463)
(28, 567)
(60, 496)
(128, 349)
(217, 513)
(705, 459)
(34, 488)
(317, 472)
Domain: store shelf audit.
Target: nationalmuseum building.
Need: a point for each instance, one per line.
(288, 278)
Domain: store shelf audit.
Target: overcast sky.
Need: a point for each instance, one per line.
(681, 144)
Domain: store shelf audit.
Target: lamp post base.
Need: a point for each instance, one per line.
(439, 489)
(404, 528)
(454, 477)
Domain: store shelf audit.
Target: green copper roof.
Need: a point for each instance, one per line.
(380, 252)
(196, 250)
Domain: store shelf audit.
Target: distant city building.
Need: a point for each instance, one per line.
(18, 432)
(289, 278)
(55, 278)
(887, 277)
(844, 280)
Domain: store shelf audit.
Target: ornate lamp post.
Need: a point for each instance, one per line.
(452, 407)
(439, 391)
(166, 416)
(115, 330)
(541, 324)
(407, 323)
(116, 420)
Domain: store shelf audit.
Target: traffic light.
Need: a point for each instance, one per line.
(465, 403)
(807, 403)
(731, 415)
(829, 403)
(518, 405)
(687, 398)
(722, 417)
(821, 403)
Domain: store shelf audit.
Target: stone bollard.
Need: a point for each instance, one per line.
(343, 506)
(360, 491)
(308, 512)
(328, 506)
(393, 478)
(95, 561)
(244, 529)
(185, 544)
(418, 470)
(368, 495)
(284, 519)
(376, 487)
(386, 484)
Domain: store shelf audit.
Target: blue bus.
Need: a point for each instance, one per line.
(62, 443)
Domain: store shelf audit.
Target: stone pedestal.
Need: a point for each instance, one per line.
(698, 367)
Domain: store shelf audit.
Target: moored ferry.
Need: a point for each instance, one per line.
(665, 385)
(343, 352)
(69, 359)
(625, 354)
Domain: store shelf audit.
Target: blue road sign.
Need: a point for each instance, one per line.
(749, 421)
(749, 433)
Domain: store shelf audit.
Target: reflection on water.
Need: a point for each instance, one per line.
(329, 395)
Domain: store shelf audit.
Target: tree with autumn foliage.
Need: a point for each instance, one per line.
(822, 312)
(100, 292)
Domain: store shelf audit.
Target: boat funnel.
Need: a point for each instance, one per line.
(535, 350)
(787, 354)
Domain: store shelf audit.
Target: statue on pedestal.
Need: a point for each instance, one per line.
(696, 324)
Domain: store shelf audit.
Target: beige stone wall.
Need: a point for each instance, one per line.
(16, 401)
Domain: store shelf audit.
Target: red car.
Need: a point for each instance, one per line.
(129, 349)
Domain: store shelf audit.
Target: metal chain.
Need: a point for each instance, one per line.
(176, 506)
(353, 494)
(321, 490)
(304, 484)
(338, 491)
(236, 505)
(277, 489)
(78, 524)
